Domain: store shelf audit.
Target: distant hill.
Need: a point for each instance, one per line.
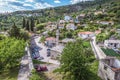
(50, 14)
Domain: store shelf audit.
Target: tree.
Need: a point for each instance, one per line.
(74, 61)
(40, 26)
(32, 24)
(37, 22)
(27, 25)
(42, 39)
(69, 35)
(11, 50)
(24, 23)
(14, 31)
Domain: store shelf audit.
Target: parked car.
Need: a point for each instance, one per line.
(40, 58)
(41, 68)
(48, 52)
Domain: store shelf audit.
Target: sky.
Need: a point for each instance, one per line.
(15, 5)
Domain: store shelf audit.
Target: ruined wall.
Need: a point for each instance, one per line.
(105, 72)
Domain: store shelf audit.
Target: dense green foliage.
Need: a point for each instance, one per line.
(18, 33)
(75, 61)
(11, 51)
(36, 76)
(14, 31)
(52, 14)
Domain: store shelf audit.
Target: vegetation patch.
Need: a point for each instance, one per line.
(110, 52)
(9, 74)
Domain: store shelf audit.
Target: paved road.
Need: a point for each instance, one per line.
(24, 69)
(99, 53)
(43, 52)
(26, 66)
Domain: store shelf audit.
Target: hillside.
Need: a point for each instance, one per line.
(53, 14)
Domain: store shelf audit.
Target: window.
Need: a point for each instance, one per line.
(108, 79)
(105, 67)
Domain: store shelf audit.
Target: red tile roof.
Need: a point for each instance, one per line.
(50, 38)
(98, 32)
(87, 32)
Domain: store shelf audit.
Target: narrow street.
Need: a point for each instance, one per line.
(98, 52)
(43, 52)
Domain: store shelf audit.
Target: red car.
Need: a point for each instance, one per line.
(41, 68)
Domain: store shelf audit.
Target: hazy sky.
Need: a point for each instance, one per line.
(14, 5)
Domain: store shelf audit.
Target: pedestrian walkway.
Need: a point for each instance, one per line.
(24, 69)
(26, 66)
(99, 53)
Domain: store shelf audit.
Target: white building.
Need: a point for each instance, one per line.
(67, 18)
(109, 69)
(61, 21)
(61, 26)
(112, 43)
(105, 22)
(66, 40)
(98, 12)
(86, 34)
(50, 41)
(71, 26)
(80, 17)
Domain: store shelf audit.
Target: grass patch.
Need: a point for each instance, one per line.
(86, 44)
(9, 75)
(110, 52)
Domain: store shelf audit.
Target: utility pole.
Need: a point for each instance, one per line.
(57, 34)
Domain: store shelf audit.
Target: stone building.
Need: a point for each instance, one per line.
(109, 69)
(112, 43)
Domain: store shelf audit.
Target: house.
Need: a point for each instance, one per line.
(71, 26)
(112, 43)
(98, 12)
(62, 22)
(80, 17)
(105, 22)
(97, 32)
(118, 31)
(66, 40)
(86, 34)
(56, 51)
(109, 69)
(45, 33)
(61, 26)
(50, 41)
(67, 18)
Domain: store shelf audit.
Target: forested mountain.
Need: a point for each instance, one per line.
(53, 14)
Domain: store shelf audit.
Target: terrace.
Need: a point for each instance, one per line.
(110, 52)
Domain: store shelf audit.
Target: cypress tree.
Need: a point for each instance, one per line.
(27, 25)
(14, 31)
(32, 24)
(24, 23)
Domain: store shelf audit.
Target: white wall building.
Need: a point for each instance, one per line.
(67, 18)
(50, 41)
(71, 26)
(112, 43)
(105, 22)
(86, 34)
